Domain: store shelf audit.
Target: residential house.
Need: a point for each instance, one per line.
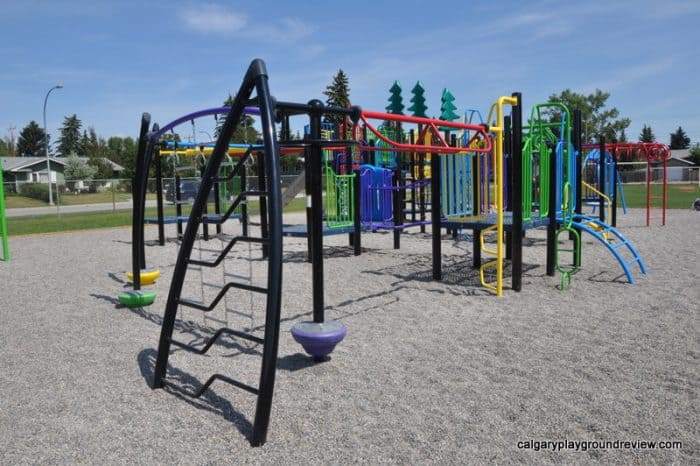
(18, 170)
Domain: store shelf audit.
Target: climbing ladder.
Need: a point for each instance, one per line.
(270, 238)
(618, 245)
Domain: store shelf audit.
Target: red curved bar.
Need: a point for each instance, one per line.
(429, 123)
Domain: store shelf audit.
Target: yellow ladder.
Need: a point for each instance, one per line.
(497, 129)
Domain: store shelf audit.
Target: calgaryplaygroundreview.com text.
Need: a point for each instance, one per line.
(586, 445)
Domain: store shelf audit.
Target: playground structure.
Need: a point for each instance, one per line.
(498, 179)
(3, 222)
(603, 185)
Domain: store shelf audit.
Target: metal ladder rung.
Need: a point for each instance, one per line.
(212, 340)
(183, 168)
(206, 385)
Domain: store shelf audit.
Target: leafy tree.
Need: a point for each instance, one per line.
(69, 141)
(338, 95)
(418, 108)
(123, 152)
(647, 135)
(679, 140)
(447, 108)
(77, 169)
(395, 100)
(596, 118)
(694, 155)
(31, 142)
(103, 169)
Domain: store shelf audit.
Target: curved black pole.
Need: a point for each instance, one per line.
(256, 77)
(137, 213)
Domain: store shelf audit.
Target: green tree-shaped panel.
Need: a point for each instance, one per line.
(447, 109)
(395, 100)
(418, 108)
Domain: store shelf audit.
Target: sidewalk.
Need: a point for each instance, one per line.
(66, 209)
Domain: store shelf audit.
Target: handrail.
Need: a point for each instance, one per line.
(608, 203)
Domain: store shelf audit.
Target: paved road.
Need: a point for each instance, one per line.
(29, 211)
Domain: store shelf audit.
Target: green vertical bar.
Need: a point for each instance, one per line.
(3, 221)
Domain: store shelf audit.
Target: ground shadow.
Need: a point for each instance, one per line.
(295, 362)
(181, 384)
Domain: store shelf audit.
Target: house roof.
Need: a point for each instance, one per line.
(17, 164)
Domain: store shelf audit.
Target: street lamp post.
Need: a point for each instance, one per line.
(46, 144)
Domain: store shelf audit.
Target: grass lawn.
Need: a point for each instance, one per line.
(106, 219)
(680, 196)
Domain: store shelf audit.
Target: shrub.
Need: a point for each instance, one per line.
(35, 190)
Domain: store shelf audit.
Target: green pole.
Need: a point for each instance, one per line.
(3, 221)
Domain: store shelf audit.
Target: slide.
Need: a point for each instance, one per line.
(613, 240)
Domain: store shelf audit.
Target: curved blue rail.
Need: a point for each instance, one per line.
(598, 229)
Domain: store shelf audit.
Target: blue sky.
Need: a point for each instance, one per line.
(118, 59)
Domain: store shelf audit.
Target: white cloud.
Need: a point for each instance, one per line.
(630, 73)
(212, 18)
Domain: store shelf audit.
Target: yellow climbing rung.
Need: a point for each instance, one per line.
(491, 264)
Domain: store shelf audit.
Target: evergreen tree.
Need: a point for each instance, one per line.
(91, 143)
(4, 148)
(338, 95)
(31, 142)
(447, 108)
(245, 132)
(418, 108)
(647, 135)
(69, 141)
(679, 140)
(622, 137)
(596, 118)
(395, 100)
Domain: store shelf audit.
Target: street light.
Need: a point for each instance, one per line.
(46, 144)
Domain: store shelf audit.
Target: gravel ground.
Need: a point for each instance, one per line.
(430, 372)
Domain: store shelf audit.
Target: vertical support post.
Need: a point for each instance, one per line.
(178, 206)
(316, 226)
(159, 199)
(476, 248)
(578, 152)
(517, 226)
(397, 207)
(601, 177)
(613, 183)
(244, 202)
(508, 164)
(217, 201)
(552, 225)
(435, 213)
(412, 171)
(307, 189)
(578, 160)
(205, 209)
(357, 199)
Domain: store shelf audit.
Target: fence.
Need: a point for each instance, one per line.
(636, 172)
(27, 198)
